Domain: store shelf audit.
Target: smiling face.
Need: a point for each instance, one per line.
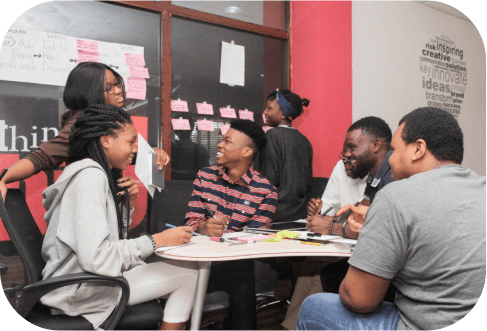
(273, 113)
(233, 149)
(113, 90)
(357, 148)
(121, 147)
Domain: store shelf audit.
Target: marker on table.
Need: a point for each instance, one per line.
(174, 226)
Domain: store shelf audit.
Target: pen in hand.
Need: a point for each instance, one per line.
(344, 217)
(174, 226)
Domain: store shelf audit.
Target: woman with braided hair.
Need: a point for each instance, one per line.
(88, 83)
(87, 228)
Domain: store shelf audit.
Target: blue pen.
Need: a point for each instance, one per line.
(174, 226)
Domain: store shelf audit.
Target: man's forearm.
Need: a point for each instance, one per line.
(337, 230)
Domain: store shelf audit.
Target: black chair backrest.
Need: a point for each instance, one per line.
(24, 233)
(318, 185)
(170, 205)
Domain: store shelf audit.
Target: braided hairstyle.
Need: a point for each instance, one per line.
(84, 142)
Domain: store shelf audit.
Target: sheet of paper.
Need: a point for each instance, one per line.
(88, 46)
(180, 124)
(232, 69)
(228, 112)
(140, 72)
(204, 109)
(224, 128)
(143, 165)
(136, 88)
(134, 59)
(205, 125)
(47, 58)
(166, 248)
(179, 105)
(246, 115)
(88, 57)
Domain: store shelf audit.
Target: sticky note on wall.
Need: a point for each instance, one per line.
(228, 112)
(205, 125)
(134, 59)
(204, 109)
(180, 124)
(179, 105)
(246, 115)
(136, 88)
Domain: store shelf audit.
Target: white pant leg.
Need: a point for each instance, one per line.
(154, 280)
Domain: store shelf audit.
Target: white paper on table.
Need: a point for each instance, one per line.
(237, 234)
(143, 166)
(166, 248)
(232, 68)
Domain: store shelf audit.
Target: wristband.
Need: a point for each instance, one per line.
(330, 232)
(154, 246)
(343, 229)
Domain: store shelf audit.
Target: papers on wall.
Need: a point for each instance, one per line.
(47, 58)
(246, 115)
(228, 112)
(205, 125)
(204, 108)
(179, 105)
(136, 88)
(146, 167)
(232, 69)
(180, 124)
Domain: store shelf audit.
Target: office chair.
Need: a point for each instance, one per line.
(27, 239)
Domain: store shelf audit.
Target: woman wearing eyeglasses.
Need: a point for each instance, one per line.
(88, 83)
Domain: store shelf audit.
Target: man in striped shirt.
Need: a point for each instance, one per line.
(232, 195)
(226, 198)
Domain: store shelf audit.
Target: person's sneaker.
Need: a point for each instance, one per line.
(284, 289)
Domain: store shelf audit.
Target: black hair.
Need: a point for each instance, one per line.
(253, 131)
(84, 141)
(438, 128)
(294, 99)
(373, 126)
(86, 85)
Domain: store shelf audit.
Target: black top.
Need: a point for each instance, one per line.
(286, 161)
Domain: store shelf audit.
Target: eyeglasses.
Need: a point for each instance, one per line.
(110, 89)
(345, 160)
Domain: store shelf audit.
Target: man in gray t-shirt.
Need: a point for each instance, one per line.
(425, 233)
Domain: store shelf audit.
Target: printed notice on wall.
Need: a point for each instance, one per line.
(444, 70)
(232, 69)
(47, 58)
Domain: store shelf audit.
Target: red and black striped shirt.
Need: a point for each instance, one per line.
(251, 201)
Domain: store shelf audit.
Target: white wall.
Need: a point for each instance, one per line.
(388, 39)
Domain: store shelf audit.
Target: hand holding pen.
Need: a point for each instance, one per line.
(314, 206)
(213, 227)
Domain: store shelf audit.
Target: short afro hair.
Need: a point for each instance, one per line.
(438, 128)
(373, 126)
(253, 131)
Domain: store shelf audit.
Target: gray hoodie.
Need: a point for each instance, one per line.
(82, 236)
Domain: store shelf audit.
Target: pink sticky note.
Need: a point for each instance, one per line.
(263, 118)
(204, 109)
(87, 46)
(228, 112)
(136, 88)
(134, 59)
(180, 124)
(88, 57)
(179, 105)
(224, 128)
(266, 128)
(246, 115)
(139, 72)
(205, 125)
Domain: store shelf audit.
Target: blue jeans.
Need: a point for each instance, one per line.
(324, 311)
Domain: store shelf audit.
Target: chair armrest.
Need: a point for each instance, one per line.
(33, 292)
